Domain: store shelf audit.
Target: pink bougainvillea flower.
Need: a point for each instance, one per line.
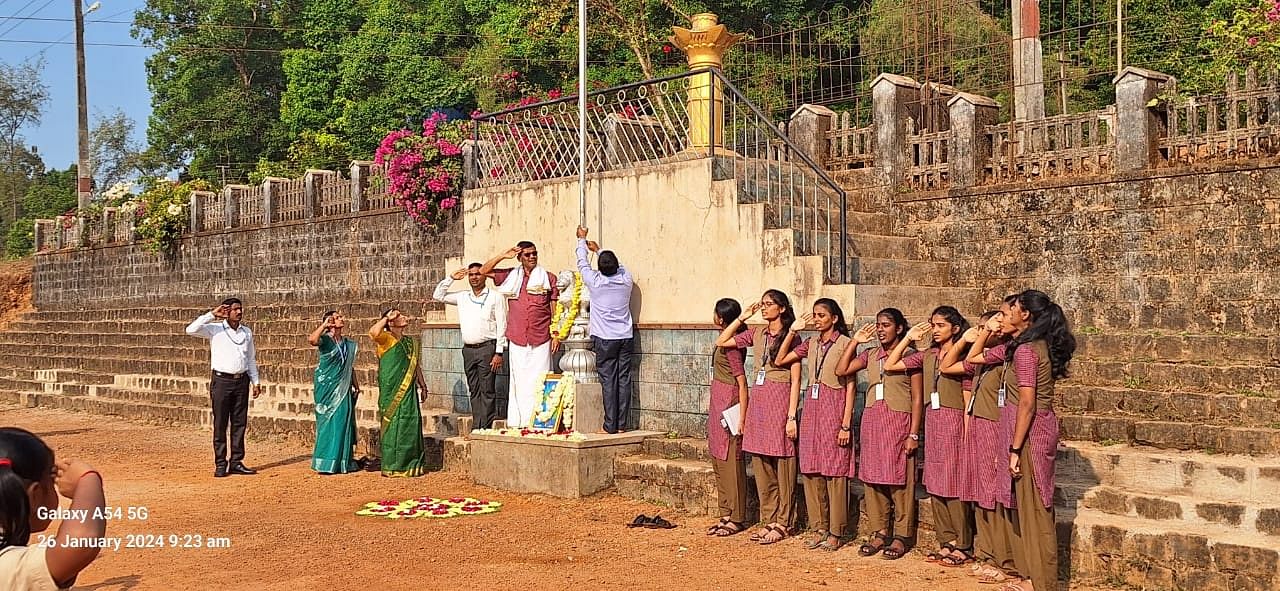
(1253, 42)
(448, 203)
(554, 93)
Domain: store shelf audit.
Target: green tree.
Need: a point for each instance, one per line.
(215, 81)
(51, 193)
(22, 98)
(114, 155)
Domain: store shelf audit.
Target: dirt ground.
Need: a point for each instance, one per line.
(292, 529)
(15, 289)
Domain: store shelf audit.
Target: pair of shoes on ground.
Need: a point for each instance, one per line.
(222, 471)
(655, 522)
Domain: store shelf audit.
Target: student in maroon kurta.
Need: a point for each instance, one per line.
(770, 429)
(826, 446)
(728, 388)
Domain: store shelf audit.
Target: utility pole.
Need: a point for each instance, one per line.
(84, 183)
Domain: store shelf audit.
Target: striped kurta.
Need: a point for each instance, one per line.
(767, 405)
(880, 459)
(723, 396)
(1042, 439)
(987, 459)
(944, 458)
(820, 426)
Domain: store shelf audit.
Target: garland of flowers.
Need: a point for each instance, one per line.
(532, 434)
(562, 327)
(553, 404)
(424, 170)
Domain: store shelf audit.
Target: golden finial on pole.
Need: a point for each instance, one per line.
(705, 46)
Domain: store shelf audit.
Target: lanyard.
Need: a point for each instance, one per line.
(937, 368)
(471, 296)
(826, 350)
(880, 363)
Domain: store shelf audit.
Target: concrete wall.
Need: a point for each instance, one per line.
(684, 236)
(1196, 251)
(357, 258)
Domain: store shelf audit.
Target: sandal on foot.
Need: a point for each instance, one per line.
(759, 534)
(992, 576)
(829, 546)
(891, 553)
(728, 529)
(868, 550)
(776, 534)
(818, 538)
(956, 559)
(715, 528)
(941, 553)
(1014, 585)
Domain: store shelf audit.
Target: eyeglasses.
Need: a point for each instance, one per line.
(768, 304)
(531, 254)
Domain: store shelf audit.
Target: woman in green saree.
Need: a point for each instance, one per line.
(400, 388)
(336, 391)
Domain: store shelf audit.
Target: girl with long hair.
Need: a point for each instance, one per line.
(826, 446)
(335, 390)
(770, 429)
(1039, 349)
(888, 437)
(30, 482)
(945, 399)
(728, 387)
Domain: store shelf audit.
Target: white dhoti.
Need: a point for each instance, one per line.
(528, 365)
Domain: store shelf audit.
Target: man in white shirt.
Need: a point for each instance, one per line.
(235, 366)
(482, 317)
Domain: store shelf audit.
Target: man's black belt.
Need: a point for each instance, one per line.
(229, 376)
(478, 345)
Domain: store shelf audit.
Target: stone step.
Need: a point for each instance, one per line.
(1174, 348)
(270, 373)
(185, 313)
(914, 300)
(1256, 441)
(297, 326)
(1249, 409)
(1164, 376)
(685, 484)
(873, 271)
(687, 448)
(1169, 555)
(1163, 473)
(1262, 519)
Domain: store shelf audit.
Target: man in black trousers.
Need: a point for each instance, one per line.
(235, 366)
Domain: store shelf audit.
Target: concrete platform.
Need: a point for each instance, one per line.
(558, 467)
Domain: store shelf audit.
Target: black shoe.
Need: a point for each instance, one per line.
(241, 469)
(220, 472)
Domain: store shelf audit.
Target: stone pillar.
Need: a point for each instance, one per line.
(1138, 128)
(231, 207)
(196, 211)
(808, 131)
(470, 163)
(108, 225)
(360, 184)
(891, 99)
(970, 148)
(705, 45)
(1028, 61)
(269, 200)
(311, 192)
(40, 236)
(59, 233)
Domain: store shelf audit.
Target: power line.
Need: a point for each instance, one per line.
(3, 20)
(72, 32)
(18, 22)
(260, 28)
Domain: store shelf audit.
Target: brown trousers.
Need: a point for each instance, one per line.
(953, 522)
(731, 483)
(776, 487)
(1034, 531)
(992, 544)
(891, 508)
(827, 501)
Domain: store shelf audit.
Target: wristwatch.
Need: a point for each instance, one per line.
(914, 437)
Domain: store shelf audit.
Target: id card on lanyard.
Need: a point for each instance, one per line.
(1000, 394)
(935, 401)
(815, 378)
(880, 385)
(764, 363)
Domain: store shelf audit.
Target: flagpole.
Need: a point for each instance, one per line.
(582, 112)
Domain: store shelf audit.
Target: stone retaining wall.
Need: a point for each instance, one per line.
(1181, 251)
(374, 257)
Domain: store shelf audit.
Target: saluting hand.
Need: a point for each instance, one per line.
(220, 311)
(512, 252)
(919, 331)
(459, 274)
(865, 333)
(970, 336)
(993, 323)
(806, 321)
(750, 311)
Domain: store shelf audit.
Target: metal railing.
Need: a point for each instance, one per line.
(685, 117)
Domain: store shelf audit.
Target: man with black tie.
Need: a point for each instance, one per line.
(235, 367)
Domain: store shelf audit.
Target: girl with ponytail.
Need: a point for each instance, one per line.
(728, 387)
(888, 436)
(945, 399)
(1040, 348)
(30, 482)
(769, 430)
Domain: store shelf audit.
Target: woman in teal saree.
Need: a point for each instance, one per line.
(335, 397)
(399, 390)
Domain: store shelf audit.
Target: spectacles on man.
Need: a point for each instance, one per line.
(530, 254)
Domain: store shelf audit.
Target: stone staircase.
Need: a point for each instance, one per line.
(140, 364)
(1167, 475)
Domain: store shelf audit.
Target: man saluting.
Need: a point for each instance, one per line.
(530, 292)
(235, 366)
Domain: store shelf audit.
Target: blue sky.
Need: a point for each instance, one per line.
(117, 77)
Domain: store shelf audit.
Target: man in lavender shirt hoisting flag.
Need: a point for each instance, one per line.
(611, 330)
